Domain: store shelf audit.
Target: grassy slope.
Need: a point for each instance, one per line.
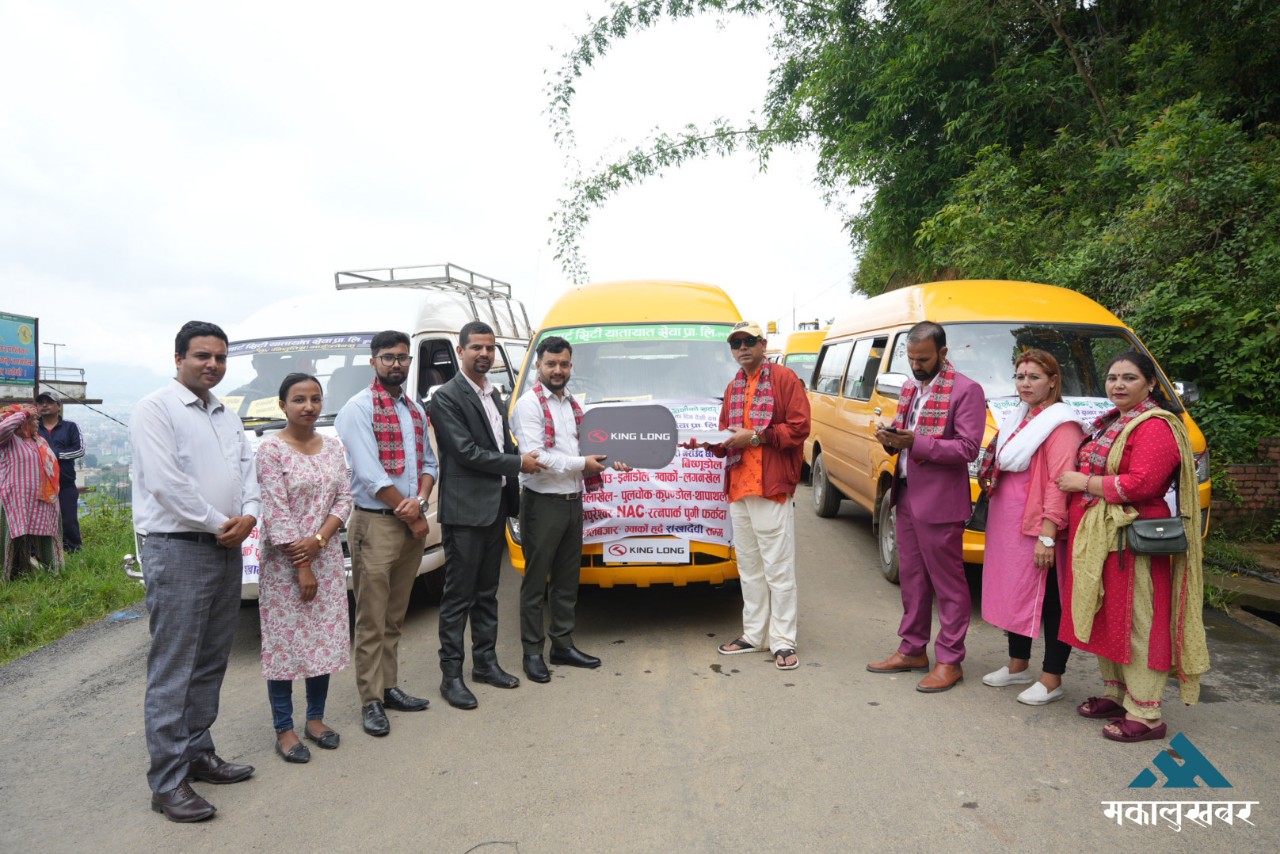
(38, 608)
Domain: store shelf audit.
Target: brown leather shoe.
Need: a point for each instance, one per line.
(182, 804)
(899, 663)
(943, 677)
(210, 768)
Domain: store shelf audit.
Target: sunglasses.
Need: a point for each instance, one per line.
(744, 341)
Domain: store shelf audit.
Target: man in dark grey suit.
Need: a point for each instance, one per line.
(479, 489)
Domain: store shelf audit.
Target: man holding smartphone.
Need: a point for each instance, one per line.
(936, 434)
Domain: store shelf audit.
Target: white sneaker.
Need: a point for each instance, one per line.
(1003, 677)
(1038, 695)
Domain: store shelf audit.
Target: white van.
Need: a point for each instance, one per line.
(327, 334)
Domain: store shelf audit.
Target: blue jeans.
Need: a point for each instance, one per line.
(280, 692)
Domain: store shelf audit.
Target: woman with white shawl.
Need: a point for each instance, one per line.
(1027, 526)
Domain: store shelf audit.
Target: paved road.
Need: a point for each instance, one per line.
(668, 747)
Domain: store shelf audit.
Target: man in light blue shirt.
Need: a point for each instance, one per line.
(393, 470)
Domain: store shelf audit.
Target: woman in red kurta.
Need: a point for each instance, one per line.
(1133, 627)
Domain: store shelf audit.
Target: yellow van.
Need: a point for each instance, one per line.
(649, 342)
(800, 352)
(863, 365)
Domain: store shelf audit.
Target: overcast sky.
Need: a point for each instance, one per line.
(164, 161)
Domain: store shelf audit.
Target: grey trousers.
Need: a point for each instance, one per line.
(551, 535)
(193, 596)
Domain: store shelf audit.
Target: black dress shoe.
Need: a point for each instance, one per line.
(536, 669)
(375, 720)
(182, 804)
(573, 657)
(298, 753)
(456, 692)
(494, 675)
(394, 698)
(209, 768)
(327, 739)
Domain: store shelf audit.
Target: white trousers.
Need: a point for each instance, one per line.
(764, 533)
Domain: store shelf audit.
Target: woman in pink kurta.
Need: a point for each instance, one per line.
(302, 588)
(28, 493)
(1026, 520)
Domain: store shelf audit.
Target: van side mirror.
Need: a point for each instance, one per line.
(890, 385)
(1188, 393)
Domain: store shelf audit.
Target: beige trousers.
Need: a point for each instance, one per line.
(1134, 685)
(765, 539)
(384, 562)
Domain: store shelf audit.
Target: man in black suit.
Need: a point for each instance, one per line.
(479, 489)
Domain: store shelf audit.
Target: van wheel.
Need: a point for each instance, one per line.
(826, 499)
(887, 536)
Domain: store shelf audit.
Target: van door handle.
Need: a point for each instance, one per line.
(876, 410)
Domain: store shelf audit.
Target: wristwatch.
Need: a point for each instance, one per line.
(321, 540)
(757, 440)
(422, 506)
(1047, 542)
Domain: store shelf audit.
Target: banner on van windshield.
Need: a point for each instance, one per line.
(359, 341)
(684, 498)
(1087, 409)
(644, 332)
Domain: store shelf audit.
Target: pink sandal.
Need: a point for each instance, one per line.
(1100, 707)
(1132, 731)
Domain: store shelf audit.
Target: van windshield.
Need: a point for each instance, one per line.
(984, 352)
(672, 361)
(255, 368)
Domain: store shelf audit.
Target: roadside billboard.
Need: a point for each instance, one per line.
(19, 338)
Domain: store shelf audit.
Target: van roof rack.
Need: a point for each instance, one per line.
(448, 277)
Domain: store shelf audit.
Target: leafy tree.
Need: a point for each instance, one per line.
(1123, 148)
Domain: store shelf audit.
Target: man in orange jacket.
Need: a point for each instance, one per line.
(766, 407)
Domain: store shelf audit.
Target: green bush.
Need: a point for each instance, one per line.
(38, 608)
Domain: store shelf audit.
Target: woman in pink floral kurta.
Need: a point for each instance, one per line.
(302, 590)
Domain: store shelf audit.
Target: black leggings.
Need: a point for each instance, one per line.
(1056, 652)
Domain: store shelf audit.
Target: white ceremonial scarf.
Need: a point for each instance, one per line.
(1015, 454)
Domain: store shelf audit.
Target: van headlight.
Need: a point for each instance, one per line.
(1202, 466)
(513, 527)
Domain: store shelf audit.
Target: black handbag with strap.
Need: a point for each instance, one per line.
(1157, 536)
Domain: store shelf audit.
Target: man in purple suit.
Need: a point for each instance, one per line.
(936, 434)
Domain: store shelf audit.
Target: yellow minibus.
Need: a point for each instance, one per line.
(658, 342)
(863, 364)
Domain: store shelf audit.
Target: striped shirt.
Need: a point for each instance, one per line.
(24, 513)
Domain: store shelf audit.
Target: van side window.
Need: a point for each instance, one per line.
(863, 367)
(898, 363)
(828, 374)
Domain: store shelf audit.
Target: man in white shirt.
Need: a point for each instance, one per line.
(195, 498)
(546, 420)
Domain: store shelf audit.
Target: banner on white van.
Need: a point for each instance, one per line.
(647, 550)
